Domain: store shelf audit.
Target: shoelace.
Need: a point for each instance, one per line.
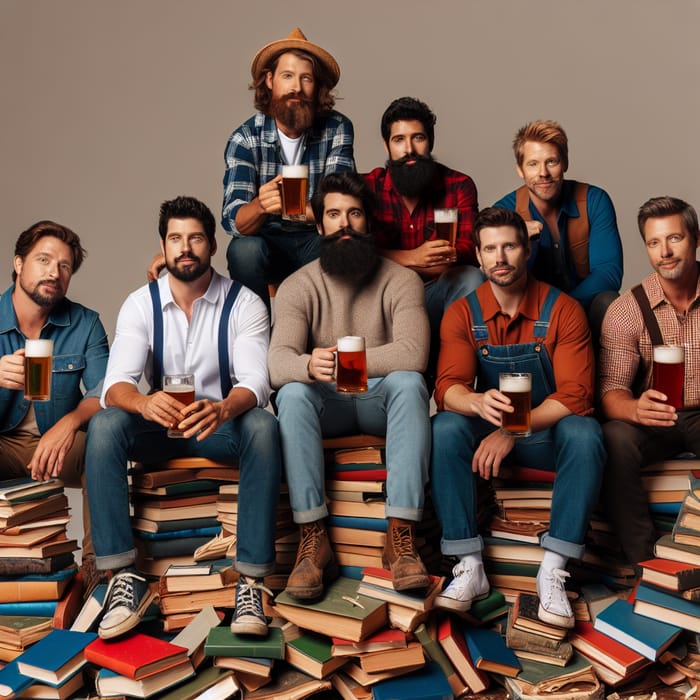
(402, 540)
(309, 543)
(559, 577)
(121, 590)
(247, 602)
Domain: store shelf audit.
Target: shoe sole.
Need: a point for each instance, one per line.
(407, 583)
(330, 574)
(458, 605)
(258, 629)
(132, 621)
(554, 619)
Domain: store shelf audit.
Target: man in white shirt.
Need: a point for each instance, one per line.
(191, 320)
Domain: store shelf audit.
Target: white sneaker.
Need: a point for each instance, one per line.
(555, 608)
(469, 584)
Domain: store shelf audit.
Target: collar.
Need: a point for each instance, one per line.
(529, 304)
(210, 296)
(59, 316)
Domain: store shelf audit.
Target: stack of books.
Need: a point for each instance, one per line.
(175, 510)
(666, 484)
(511, 566)
(37, 564)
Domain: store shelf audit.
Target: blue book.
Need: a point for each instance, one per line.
(428, 683)
(56, 657)
(642, 634)
(665, 508)
(59, 575)
(378, 524)
(660, 605)
(35, 608)
(177, 534)
(490, 653)
(352, 572)
(12, 682)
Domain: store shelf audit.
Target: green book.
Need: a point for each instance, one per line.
(206, 680)
(535, 672)
(316, 647)
(490, 607)
(311, 654)
(433, 649)
(222, 642)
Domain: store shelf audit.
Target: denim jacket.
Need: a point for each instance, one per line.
(80, 356)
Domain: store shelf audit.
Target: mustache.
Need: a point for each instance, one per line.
(347, 231)
(412, 157)
(187, 256)
(299, 96)
(502, 267)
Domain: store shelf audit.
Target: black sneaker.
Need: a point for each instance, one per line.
(128, 596)
(248, 617)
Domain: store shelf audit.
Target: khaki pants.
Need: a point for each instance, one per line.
(16, 451)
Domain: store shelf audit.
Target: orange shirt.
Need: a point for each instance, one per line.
(568, 343)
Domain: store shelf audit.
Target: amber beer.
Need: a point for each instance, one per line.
(517, 386)
(295, 182)
(180, 387)
(668, 373)
(38, 364)
(446, 225)
(351, 373)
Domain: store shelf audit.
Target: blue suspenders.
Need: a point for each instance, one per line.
(225, 377)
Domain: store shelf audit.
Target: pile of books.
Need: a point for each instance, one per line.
(175, 510)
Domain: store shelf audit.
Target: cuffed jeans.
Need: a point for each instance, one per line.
(266, 258)
(631, 447)
(115, 436)
(395, 406)
(573, 448)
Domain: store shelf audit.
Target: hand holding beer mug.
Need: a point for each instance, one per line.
(668, 373)
(38, 361)
(180, 387)
(517, 386)
(351, 373)
(295, 183)
(446, 225)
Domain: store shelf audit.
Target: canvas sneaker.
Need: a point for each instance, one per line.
(249, 617)
(128, 596)
(554, 608)
(469, 584)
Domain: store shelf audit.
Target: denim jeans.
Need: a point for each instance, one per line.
(573, 447)
(395, 406)
(268, 257)
(115, 436)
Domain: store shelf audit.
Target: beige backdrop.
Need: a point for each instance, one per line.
(108, 108)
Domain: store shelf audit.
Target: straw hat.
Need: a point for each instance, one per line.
(295, 40)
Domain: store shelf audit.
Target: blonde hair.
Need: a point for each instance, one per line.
(542, 131)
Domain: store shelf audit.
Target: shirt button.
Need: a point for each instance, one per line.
(70, 366)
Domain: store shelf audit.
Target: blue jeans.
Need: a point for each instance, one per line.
(395, 406)
(115, 436)
(268, 257)
(573, 448)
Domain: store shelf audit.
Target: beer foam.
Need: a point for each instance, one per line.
(669, 354)
(295, 171)
(351, 343)
(38, 348)
(515, 383)
(445, 216)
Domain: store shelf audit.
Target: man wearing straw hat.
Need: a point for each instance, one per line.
(295, 125)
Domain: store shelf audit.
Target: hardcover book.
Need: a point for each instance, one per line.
(312, 654)
(666, 548)
(109, 682)
(526, 641)
(489, 652)
(451, 638)
(607, 651)
(410, 656)
(428, 683)
(662, 606)
(674, 575)
(211, 683)
(434, 651)
(222, 642)
(525, 617)
(289, 684)
(34, 587)
(12, 682)
(91, 610)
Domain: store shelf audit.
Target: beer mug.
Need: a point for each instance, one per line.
(180, 387)
(668, 373)
(295, 182)
(517, 386)
(446, 225)
(351, 372)
(38, 362)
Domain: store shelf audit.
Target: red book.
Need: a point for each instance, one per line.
(531, 474)
(70, 604)
(606, 650)
(674, 575)
(136, 656)
(452, 642)
(361, 475)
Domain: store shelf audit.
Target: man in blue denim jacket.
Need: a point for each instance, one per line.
(46, 439)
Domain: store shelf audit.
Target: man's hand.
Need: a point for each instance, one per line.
(322, 364)
(162, 408)
(157, 264)
(651, 409)
(270, 196)
(534, 228)
(52, 449)
(202, 418)
(431, 253)
(12, 371)
(494, 448)
(491, 404)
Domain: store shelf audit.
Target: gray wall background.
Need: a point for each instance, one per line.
(108, 108)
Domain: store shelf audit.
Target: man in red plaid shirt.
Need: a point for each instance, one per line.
(408, 190)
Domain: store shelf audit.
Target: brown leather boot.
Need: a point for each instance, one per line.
(315, 564)
(401, 558)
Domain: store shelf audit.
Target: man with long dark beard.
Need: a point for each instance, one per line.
(409, 190)
(295, 125)
(351, 290)
(189, 321)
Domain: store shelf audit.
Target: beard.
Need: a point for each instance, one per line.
(353, 260)
(415, 179)
(505, 280)
(42, 296)
(188, 274)
(296, 117)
